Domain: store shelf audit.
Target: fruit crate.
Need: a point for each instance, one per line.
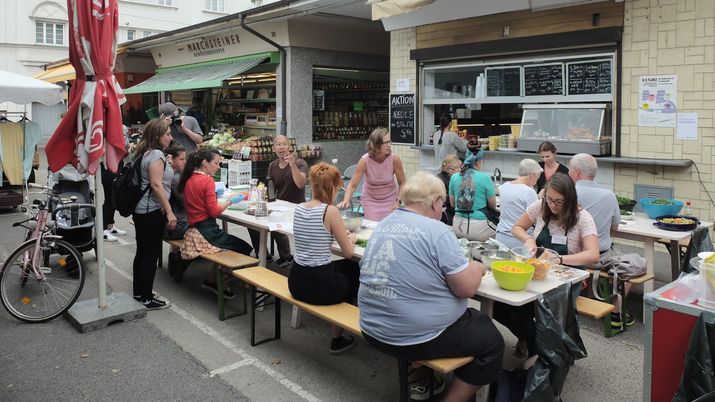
(239, 173)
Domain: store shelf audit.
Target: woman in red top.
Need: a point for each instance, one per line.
(202, 207)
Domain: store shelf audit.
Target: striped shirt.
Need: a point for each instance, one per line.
(312, 241)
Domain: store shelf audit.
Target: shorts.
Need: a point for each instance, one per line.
(473, 334)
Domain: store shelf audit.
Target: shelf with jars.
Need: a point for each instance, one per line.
(349, 111)
(249, 108)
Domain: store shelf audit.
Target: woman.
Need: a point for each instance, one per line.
(202, 209)
(450, 165)
(560, 225)
(514, 197)
(315, 278)
(153, 212)
(547, 151)
(472, 191)
(380, 167)
(446, 142)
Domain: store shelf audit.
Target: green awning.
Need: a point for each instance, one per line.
(200, 75)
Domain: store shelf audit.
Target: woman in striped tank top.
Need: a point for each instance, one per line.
(315, 278)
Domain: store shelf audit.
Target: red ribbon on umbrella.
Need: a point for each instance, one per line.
(92, 126)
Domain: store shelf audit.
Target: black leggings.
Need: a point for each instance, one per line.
(149, 228)
(333, 283)
(108, 207)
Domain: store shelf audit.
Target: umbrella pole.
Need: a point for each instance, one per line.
(99, 238)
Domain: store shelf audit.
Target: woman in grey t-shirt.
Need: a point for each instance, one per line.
(447, 143)
(153, 212)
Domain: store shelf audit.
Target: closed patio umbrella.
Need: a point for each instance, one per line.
(91, 131)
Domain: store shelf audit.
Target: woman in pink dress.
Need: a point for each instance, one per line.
(383, 175)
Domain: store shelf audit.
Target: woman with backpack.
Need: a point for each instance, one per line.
(472, 194)
(153, 213)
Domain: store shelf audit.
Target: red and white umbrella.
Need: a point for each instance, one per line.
(92, 126)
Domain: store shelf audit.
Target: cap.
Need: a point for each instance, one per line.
(167, 108)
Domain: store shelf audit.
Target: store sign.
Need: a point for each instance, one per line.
(658, 100)
(402, 118)
(212, 46)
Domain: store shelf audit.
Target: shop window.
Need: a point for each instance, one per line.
(215, 5)
(348, 104)
(49, 33)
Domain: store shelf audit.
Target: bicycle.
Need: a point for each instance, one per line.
(43, 276)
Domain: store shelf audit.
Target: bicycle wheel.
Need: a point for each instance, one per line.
(30, 298)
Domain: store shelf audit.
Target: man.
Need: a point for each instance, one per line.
(184, 129)
(288, 174)
(602, 204)
(414, 285)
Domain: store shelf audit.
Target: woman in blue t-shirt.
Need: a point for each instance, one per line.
(471, 192)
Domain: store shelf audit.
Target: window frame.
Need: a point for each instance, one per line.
(53, 31)
(220, 6)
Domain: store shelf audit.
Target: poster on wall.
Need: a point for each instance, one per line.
(657, 102)
(402, 118)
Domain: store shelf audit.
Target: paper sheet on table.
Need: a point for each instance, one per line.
(287, 226)
(281, 208)
(369, 224)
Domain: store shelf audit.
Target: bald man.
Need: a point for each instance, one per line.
(289, 176)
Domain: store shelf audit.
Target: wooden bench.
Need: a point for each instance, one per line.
(225, 261)
(344, 315)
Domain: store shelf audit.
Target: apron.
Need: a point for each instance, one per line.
(544, 240)
(210, 230)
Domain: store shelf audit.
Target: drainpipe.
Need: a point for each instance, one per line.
(284, 125)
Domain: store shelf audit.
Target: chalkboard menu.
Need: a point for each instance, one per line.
(504, 81)
(402, 118)
(544, 80)
(589, 78)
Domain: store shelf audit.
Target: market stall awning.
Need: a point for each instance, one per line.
(64, 72)
(390, 8)
(200, 75)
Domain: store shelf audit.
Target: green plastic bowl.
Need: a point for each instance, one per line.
(512, 280)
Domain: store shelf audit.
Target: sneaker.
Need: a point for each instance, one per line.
(616, 321)
(116, 231)
(108, 236)
(420, 392)
(227, 293)
(285, 261)
(154, 304)
(342, 344)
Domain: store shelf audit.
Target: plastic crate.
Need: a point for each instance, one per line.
(239, 173)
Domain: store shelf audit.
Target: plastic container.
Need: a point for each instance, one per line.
(655, 210)
(512, 280)
(706, 296)
(543, 260)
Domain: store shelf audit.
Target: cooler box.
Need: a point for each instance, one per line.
(669, 315)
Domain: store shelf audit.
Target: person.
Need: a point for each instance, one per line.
(184, 129)
(414, 285)
(562, 226)
(202, 208)
(602, 204)
(450, 165)
(381, 167)
(110, 230)
(195, 112)
(514, 197)
(176, 158)
(288, 174)
(547, 151)
(446, 142)
(153, 212)
(314, 277)
(471, 191)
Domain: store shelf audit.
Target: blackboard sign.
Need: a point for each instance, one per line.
(544, 80)
(504, 81)
(402, 118)
(589, 77)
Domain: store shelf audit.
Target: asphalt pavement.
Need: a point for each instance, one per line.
(186, 353)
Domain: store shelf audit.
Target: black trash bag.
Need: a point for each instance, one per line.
(559, 344)
(698, 378)
(700, 241)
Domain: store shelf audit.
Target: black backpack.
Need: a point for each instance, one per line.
(126, 188)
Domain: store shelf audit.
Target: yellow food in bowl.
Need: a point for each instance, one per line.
(512, 275)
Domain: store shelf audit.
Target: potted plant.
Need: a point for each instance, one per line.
(626, 205)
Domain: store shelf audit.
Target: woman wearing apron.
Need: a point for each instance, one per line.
(561, 225)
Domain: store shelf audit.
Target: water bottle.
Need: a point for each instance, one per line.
(261, 204)
(271, 190)
(687, 211)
